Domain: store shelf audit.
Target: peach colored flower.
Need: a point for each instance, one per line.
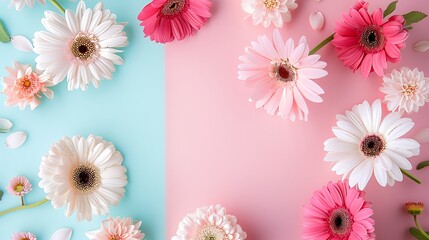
(118, 229)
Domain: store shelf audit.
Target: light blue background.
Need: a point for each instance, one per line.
(128, 111)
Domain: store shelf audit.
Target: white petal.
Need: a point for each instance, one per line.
(317, 20)
(380, 173)
(5, 125)
(62, 234)
(421, 46)
(21, 43)
(422, 136)
(16, 139)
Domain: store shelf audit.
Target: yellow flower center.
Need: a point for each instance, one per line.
(25, 81)
(115, 237)
(409, 89)
(19, 187)
(271, 4)
(212, 232)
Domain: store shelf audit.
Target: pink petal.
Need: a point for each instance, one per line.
(16, 139)
(21, 43)
(317, 20)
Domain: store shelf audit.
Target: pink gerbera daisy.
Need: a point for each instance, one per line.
(117, 229)
(367, 42)
(167, 20)
(19, 186)
(338, 212)
(24, 236)
(282, 75)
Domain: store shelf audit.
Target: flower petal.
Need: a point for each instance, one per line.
(16, 139)
(5, 125)
(21, 43)
(317, 20)
(62, 234)
(421, 46)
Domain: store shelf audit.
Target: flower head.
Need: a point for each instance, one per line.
(19, 4)
(25, 87)
(267, 11)
(117, 229)
(85, 174)
(209, 223)
(406, 90)
(367, 42)
(414, 208)
(80, 46)
(281, 75)
(366, 143)
(24, 236)
(168, 20)
(19, 186)
(338, 212)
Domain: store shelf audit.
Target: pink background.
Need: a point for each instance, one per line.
(220, 149)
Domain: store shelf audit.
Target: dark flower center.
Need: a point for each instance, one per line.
(173, 7)
(283, 71)
(340, 222)
(372, 38)
(86, 178)
(372, 146)
(83, 47)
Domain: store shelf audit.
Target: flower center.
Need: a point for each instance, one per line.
(212, 233)
(283, 71)
(372, 39)
(115, 237)
(83, 47)
(25, 238)
(372, 146)
(86, 178)
(173, 7)
(340, 222)
(271, 4)
(409, 90)
(19, 187)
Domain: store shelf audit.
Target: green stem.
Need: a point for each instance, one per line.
(57, 5)
(420, 228)
(22, 201)
(412, 177)
(36, 204)
(322, 44)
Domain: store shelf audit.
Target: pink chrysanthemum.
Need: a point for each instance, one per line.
(117, 229)
(367, 42)
(167, 20)
(209, 223)
(19, 186)
(24, 236)
(24, 87)
(338, 212)
(282, 75)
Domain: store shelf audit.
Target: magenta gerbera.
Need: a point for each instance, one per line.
(338, 212)
(367, 41)
(168, 20)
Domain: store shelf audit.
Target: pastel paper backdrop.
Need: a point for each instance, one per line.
(128, 111)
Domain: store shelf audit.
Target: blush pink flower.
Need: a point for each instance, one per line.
(367, 41)
(24, 236)
(118, 229)
(338, 212)
(168, 20)
(282, 75)
(19, 186)
(25, 87)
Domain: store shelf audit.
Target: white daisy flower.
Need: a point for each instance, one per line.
(19, 4)
(85, 174)
(366, 144)
(81, 45)
(267, 11)
(406, 90)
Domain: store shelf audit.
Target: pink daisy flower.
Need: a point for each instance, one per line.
(338, 212)
(24, 236)
(118, 229)
(167, 20)
(24, 87)
(367, 41)
(19, 186)
(282, 75)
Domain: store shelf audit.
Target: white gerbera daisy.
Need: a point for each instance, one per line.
(406, 90)
(267, 11)
(81, 45)
(85, 174)
(366, 143)
(209, 223)
(19, 4)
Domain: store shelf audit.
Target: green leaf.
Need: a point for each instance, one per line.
(413, 17)
(423, 165)
(417, 234)
(1, 194)
(390, 8)
(4, 36)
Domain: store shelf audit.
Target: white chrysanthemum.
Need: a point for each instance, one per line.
(406, 90)
(267, 11)
(85, 174)
(81, 46)
(366, 143)
(19, 4)
(209, 223)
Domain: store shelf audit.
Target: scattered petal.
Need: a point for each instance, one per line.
(317, 20)
(422, 136)
(5, 125)
(22, 43)
(16, 139)
(421, 46)
(62, 234)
